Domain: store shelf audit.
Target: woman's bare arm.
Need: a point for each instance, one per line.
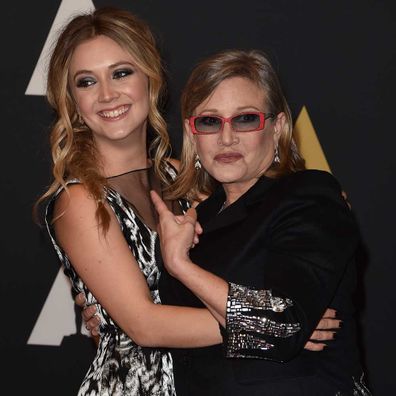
(108, 268)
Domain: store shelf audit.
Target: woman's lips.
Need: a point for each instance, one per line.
(228, 157)
(115, 114)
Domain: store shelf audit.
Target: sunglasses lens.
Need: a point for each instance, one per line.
(246, 122)
(207, 124)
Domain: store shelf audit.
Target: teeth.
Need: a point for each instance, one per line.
(114, 113)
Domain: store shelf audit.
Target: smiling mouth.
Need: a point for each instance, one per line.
(114, 114)
(228, 157)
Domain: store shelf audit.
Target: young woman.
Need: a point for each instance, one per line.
(109, 145)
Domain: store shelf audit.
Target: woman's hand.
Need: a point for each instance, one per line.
(345, 196)
(177, 234)
(89, 316)
(325, 331)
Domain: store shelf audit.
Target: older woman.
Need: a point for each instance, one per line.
(277, 248)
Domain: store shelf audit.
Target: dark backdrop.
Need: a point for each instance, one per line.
(337, 58)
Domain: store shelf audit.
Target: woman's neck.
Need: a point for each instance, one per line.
(234, 191)
(118, 157)
(116, 166)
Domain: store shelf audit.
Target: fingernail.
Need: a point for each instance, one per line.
(334, 335)
(92, 310)
(341, 324)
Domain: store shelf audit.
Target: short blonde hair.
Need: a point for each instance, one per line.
(206, 76)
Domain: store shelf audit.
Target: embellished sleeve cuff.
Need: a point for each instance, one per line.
(251, 321)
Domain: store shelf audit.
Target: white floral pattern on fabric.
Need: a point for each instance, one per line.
(121, 367)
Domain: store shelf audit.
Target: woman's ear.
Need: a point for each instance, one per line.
(187, 126)
(279, 126)
(188, 132)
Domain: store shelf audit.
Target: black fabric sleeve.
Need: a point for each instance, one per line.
(309, 241)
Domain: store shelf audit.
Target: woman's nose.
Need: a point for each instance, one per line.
(107, 92)
(228, 136)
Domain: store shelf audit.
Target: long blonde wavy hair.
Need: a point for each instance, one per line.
(206, 76)
(72, 146)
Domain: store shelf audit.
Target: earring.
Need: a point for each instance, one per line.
(197, 163)
(80, 120)
(276, 155)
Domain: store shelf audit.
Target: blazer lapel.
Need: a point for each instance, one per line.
(208, 211)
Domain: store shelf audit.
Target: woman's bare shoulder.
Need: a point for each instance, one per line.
(74, 200)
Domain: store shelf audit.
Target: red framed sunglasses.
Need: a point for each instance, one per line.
(243, 122)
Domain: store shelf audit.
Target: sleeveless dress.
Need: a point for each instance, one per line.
(121, 367)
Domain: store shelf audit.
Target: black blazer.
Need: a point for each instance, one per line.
(296, 237)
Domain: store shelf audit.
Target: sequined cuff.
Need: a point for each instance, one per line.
(248, 322)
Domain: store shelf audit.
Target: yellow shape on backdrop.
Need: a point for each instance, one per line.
(308, 143)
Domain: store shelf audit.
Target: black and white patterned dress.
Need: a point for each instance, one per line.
(121, 367)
